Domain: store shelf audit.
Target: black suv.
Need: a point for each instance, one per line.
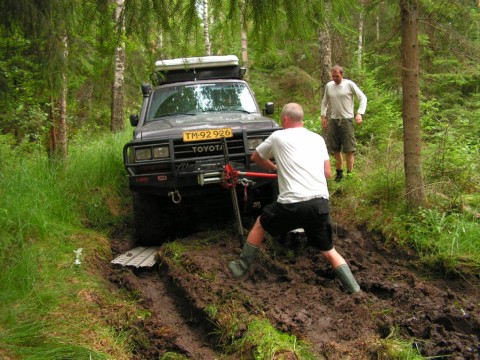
(176, 160)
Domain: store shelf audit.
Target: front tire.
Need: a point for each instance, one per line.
(150, 220)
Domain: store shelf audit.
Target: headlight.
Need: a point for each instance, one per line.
(254, 142)
(142, 154)
(161, 152)
(151, 153)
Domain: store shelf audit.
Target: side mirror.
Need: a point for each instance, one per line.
(146, 89)
(269, 108)
(134, 119)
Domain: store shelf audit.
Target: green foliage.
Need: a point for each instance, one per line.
(383, 119)
(23, 111)
(263, 92)
(291, 85)
(452, 147)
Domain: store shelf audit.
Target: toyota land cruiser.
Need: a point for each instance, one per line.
(176, 157)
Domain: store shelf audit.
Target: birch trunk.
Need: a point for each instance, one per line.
(62, 126)
(244, 38)
(58, 114)
(206, 32)
(360, 40)
(118, 89)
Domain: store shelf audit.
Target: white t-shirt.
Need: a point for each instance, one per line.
(341, 99)
(300, 155)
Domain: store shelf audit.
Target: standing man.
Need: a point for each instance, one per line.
(341, 136)
(303, 166)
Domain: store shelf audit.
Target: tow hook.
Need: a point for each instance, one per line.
(245, 182)
(175, 196)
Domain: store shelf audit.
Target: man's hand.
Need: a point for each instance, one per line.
(358, 119)
(264, 163)
(324, 122)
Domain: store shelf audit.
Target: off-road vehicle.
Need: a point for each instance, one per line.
(176, 159)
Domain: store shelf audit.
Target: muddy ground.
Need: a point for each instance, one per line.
(292, 286)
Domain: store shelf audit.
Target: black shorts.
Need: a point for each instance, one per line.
(312, 216)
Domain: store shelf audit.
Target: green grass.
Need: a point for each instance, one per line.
(393, 347)
(52, 308)
(445, 232)
(269, 343)
(457, 238)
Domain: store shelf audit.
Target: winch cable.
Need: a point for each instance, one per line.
(230, 180)
(231, 183)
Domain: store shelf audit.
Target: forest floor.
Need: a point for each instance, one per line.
(296, 290)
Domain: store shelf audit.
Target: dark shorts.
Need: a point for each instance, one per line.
(312, 216)
(341, 136)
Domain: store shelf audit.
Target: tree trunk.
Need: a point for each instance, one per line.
(360, 40)
(117, 120)
(325, 56)
(52, 145)
(58, 147)
(325, 47)
(206, 33)
(244, 38)
(62, 119)
(415, 194)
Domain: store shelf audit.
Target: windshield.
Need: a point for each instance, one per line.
(197, 98)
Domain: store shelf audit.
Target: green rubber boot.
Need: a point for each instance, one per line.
(346, 278)
(247, 256)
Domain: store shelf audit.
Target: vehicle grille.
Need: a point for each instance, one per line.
(207, 149)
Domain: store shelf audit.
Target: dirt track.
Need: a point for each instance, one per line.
(297, 291)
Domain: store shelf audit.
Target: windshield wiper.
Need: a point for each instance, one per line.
(227, 110)
(240, 110)
(190, 113)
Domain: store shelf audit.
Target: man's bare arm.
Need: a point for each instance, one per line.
(264, 163)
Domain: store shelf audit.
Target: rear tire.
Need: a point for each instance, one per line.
(258, 199)
(150, 220)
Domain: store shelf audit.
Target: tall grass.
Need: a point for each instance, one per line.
(446, 232)
(452, 239)
(51, 307)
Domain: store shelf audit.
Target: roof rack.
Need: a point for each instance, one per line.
(197, 68)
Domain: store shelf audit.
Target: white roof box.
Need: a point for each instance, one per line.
(196, 63)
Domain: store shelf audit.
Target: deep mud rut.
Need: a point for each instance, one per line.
(297, 291)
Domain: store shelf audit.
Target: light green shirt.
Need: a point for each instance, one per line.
(341, 99)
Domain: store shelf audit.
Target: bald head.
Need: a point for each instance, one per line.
(294, 113)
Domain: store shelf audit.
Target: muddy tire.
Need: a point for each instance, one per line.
(271, 193)
(268, 194)
(150, 220)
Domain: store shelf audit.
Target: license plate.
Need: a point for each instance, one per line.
(209, 134)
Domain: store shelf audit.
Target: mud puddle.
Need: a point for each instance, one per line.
(294, 288)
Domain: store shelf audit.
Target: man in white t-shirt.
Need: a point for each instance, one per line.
(339, 94)
(303, 166)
